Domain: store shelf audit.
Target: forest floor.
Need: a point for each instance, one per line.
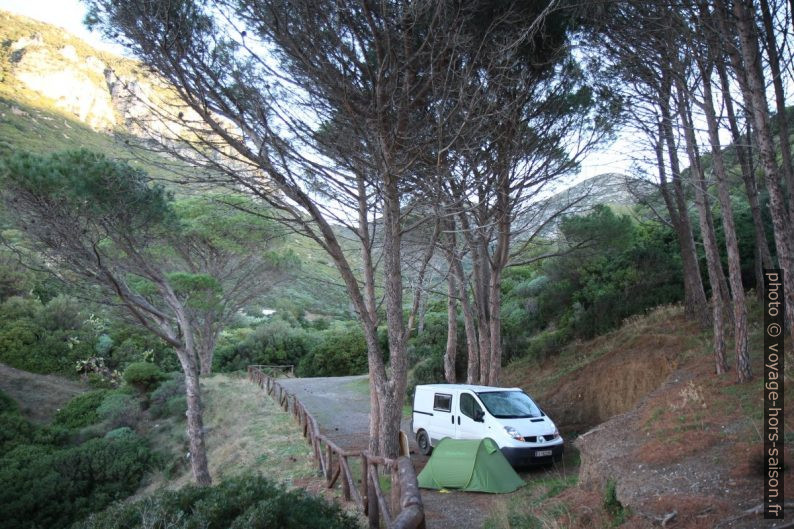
(39, 396)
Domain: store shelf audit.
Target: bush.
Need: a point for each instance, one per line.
(427, 371)
(41, 487)
(119, 409)
(81, 411)
(14, 430)
(548, 342)
(176, 406)
(62, 313)
(17, 308)
(124, 431)
(168, 399)
(340, 351)
(238, 503)
(143, 376)
(273, 342)
(7, 404)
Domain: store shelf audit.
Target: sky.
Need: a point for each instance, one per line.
(69, 15)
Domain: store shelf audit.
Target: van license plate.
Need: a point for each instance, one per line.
(542, 453)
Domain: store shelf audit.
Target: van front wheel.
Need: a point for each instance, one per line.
(423, 441)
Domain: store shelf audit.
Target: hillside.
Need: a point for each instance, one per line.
(651, 419)
(38, 396)
(57, 92)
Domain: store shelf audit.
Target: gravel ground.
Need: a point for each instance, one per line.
(342, 411)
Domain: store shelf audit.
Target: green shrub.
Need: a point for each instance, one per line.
(177, 406)
(548, 342)
(41, 487)
(17, 308)
(103, 345)
(612, 505)
(7, 404)
(167, 399)
(119, 432)
(62, 313)
(18, 347)
(131, 344)
(273, 342)
(430, 370)
(81, 411)
(341, 351)
(242, 502)
(14, 430)
(144, 376)
(119, 409)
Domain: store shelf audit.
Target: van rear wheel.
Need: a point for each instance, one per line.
(423, 441)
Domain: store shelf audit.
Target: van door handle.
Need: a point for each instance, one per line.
(453, 419)
(458, 420)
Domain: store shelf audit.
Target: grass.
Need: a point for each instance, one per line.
(536, 505)
(612, 505)
(246, 431)
(39, 396)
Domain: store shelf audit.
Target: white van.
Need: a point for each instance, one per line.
(525, 435)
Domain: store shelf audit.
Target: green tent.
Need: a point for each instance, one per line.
(471, 465)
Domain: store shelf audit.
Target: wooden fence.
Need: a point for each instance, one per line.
(401, 510)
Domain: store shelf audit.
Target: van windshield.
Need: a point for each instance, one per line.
(509, 404)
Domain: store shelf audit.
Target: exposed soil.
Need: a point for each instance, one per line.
(39, 396)
(691, 447)
(606, 376)
(706, 470)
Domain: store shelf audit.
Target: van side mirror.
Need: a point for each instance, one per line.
(479, 416)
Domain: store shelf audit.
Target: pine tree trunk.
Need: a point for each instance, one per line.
(743, 371)
(391, 400)
(707, 231)
(495, 367)
(205, 354)
(695, 296)
(743, 153)
(452, 329)
(686, 245)
(469, 325)
(777, 202)
(483, 328)
(195, 425)
(780, 102)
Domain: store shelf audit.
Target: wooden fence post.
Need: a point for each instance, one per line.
(373, 509)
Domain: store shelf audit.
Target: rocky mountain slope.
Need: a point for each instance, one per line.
(49, 69)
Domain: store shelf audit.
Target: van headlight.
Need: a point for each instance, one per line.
(512, 432)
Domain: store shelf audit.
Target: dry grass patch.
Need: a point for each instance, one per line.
(246, 432)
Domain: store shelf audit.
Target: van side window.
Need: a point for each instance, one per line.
(468, 406)
(442, 402)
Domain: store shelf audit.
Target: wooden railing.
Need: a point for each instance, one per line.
(275, 370)
(401, 510)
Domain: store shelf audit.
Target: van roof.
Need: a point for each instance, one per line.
(470, 387)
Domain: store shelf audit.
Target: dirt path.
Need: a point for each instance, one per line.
(341, 407)
(39, 396)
